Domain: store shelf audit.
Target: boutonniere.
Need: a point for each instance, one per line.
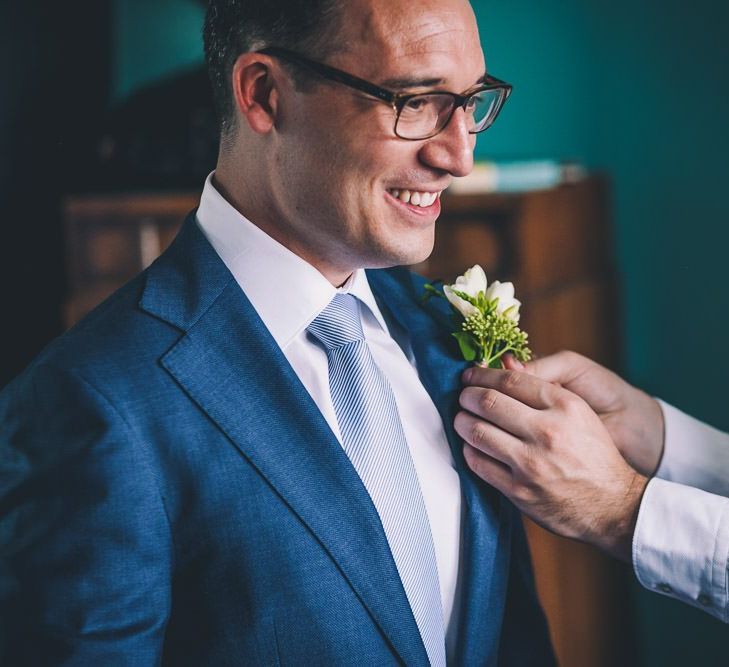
(486, 318)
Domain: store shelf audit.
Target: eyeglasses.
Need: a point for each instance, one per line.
(420, 115)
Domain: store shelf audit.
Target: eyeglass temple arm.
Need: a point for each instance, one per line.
(334, 74)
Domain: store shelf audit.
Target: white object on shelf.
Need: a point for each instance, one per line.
(516, 176)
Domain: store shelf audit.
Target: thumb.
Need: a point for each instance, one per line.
(510, 362)
(561, 368)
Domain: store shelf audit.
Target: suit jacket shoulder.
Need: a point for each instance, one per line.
(169, 493)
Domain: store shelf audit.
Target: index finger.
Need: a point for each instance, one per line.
(524, 387)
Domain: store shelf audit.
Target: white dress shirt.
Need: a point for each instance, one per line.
(288, 293)
(681, 540)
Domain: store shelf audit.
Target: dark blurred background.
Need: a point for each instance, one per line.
(109, 95)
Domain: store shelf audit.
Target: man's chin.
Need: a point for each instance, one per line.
(418, 251)
(414, 254)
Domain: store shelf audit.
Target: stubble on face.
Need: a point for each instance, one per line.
(338, 154)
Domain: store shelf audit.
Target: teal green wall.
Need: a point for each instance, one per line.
(641, 90)
(153, 38)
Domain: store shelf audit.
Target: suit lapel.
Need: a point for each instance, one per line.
(429, 325)
(229, 364)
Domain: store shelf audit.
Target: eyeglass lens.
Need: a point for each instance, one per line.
(424, 115)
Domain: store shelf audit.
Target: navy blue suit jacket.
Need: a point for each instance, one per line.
(170, 494)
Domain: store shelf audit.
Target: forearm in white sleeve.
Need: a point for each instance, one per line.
(694, 453)
(681, 545)
(681, 540)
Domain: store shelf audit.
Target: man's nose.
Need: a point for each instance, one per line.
(451, 150)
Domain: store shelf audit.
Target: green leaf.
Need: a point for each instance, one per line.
(469, 347)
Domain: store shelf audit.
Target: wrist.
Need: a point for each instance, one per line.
(619, 527)
(657, 435)
(654, 436)
(647, 434)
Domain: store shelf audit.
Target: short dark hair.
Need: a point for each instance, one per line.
(233, 27)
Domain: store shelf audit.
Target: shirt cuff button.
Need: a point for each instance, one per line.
(664, 588)
(705, 600)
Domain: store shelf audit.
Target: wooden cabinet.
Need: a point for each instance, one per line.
(553, 244)
(111, 238)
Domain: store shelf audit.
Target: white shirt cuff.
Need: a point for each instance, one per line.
(681, 545)
(694, 453)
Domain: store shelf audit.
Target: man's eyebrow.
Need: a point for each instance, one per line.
(411, 82)
(404, 83)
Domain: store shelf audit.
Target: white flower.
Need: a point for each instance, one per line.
(507, 305)
(490, 313)
(471, 282)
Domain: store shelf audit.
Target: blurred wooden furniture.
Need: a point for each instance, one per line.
(553, 244)
(111, 238)
(556, 246)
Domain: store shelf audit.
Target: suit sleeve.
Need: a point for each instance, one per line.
(85, 552)
(525, 640)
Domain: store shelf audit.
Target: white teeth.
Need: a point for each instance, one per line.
(421, 199)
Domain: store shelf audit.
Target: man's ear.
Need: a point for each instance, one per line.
(254, 91)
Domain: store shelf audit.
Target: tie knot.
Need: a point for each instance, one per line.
(338, 324)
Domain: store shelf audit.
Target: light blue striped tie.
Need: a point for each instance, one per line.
(374, 441)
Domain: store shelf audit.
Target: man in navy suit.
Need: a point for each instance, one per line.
(176, 485)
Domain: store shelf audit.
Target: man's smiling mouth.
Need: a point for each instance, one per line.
(415, 197)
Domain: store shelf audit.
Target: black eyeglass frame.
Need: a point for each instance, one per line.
(396, 100)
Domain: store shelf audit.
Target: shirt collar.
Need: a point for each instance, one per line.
(286, 291)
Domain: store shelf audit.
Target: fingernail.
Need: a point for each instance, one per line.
(467, 375)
